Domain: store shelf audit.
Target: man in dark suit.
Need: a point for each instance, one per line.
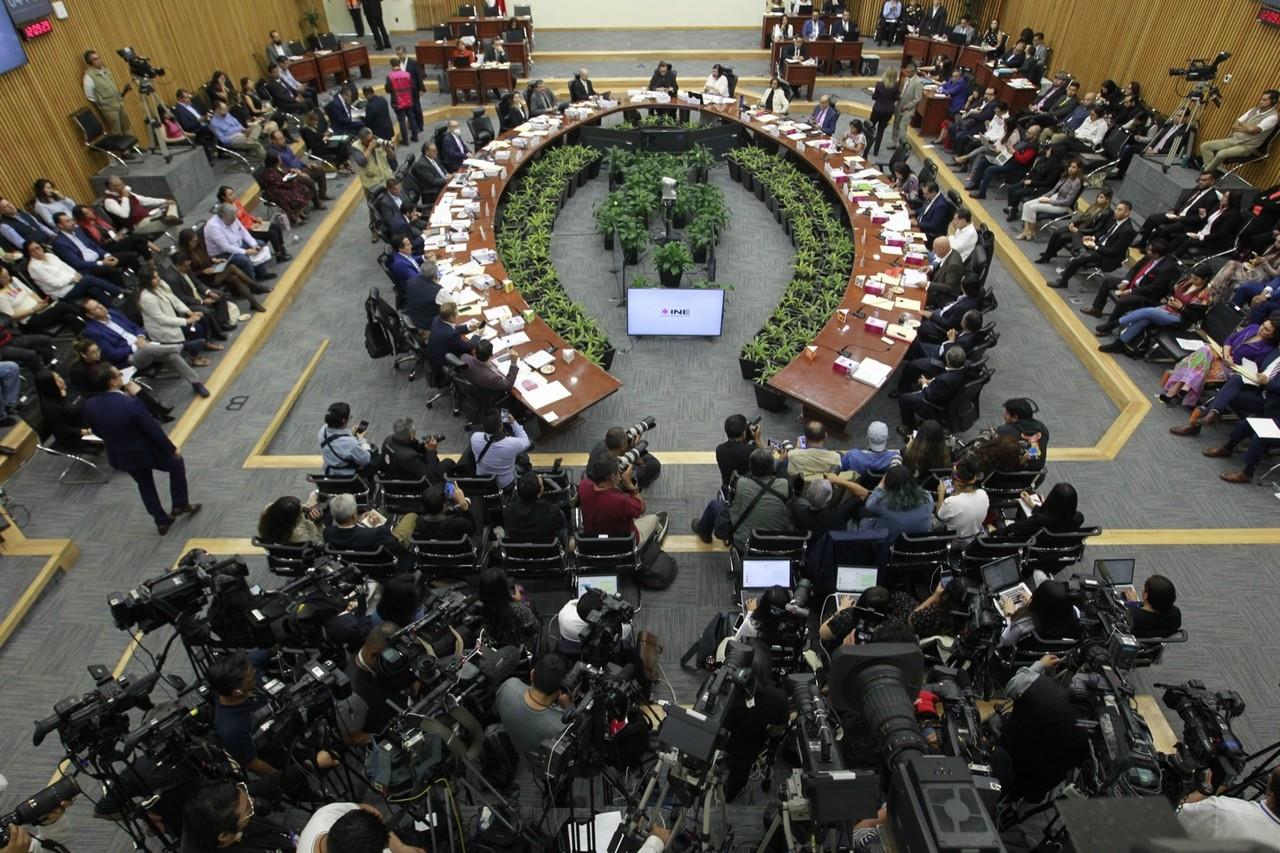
(935, 22)
(419, 77)
(453, 149)
(377, 114)
(927, 361)
(1188, 213)
(1216, 234)
(825, 116)
(399, 216)
(83, 254)
(1084, 223)
(429, 174)
(283, 97)
(494, 51)
(1056, 104)
(136, 445)
(1017, 57)
(663, 79)
(945, 277)
(796, 50)
(844, 27)
(373, 13)
(935, 212)
(1106, 251)
(936, 324)
(338, 110)
(936, 393)
(1170, 136)
(193, 122)
(422, 298)
(580, 87)
(405, 263)
(448, 337)
(295, 87)
(1149, 281)
(541, 101)
(814, 28)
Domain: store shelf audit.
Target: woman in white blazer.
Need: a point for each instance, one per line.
(775, 98)
(168, 320)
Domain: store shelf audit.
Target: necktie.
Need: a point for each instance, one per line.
(1142, 273)
(1114, 227)
(1195, 199)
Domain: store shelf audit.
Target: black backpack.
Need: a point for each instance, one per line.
(376, 340)
(658, 572)
(703, 651)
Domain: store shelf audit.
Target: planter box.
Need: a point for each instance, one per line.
(608, 242)
(606, 360)
(679, 220)
(631, 256)
(699, 256)
(748, 181)
(750, 369)
(670, 279)
(760, 190)
(769, 399)
(593, 171)
(735, 171)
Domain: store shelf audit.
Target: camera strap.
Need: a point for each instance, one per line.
(488, 442)
(328, 441)
(766, 488)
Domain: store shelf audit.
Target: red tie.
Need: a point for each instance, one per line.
(1142, 272)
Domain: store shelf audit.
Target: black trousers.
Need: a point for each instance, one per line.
(357, 20)
(31, 351)
(373, 11)
(1082, 260)
(56, 314)
(176, 468)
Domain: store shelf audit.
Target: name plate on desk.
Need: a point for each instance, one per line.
(876, 325)
(844, 365)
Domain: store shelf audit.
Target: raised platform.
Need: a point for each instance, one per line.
(187, 178)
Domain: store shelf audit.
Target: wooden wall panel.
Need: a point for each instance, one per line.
(1100, 39)
(430, 12)
(868, 11)
(189, 38)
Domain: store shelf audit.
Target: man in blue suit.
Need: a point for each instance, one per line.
(136, 445)
(824, 116)
(124, 343)
(452, 149)
(446, 337)
(935, 212)
(339, 112)
(405, 263)
(814, 27)
(192, 121)
(85, 255)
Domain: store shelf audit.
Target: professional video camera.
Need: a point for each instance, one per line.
(449, 617)
(960, 732)
(605, 728)
(788, 634)
(1198, 70)
(167, 732)
(176, 597)
(934, 803)
(302, 613)
(606, 628)
(139, 66)
(1123, 760)
(1208, 742)
(32, 810)
(293, 710)
(100, 716)
(1105, 621)
(639, 428)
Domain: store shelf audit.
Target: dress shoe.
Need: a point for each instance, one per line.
(1209, 418)
(284, 256)
(1186, 430)
(1115, 346)
(258, 289)
(977, 195)
(266, 276)
(189, 509)
(164, 419)
(8, 421)
(199, 388)
(162, 527)
(1057, 285)
(1091, 311)
(1236, 477)
(1042, 259)
(693, 525)
(1104, 329)
(1216, 452)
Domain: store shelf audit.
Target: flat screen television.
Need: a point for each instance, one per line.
(12, 53)
(663, 311)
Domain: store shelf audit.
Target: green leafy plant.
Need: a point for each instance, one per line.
(712, 285)
(311, 19)
(642, 283)
(672, 258)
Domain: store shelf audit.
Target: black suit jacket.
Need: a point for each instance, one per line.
(580, 90)
(1208, 201)
(1112, 247)
(188, 117)
(377, 114)
(492, 55)
(133, 438)
(838, 29)
(1160, 143)
(283, 98)
(944, 386)
(1222, 232)
(393, 215)
(934, 330)
(1158, 281)
(427, 178)
(659, 82)
(935, 22)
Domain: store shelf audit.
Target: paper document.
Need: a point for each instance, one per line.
(902, 333)
(493, 315)
(537, 359)
(1265, 427)
(542, 397)
(877, 302)
(909, 304)
(1247, 370)
(516, 339)
(261, 256)
(1190, 344)
(872, 372)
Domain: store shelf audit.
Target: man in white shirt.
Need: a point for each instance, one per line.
(141, 214)
(964, 235)
(1228, 818)
(1247, 134)
(717, 83)
(225, 236)
(350, 828)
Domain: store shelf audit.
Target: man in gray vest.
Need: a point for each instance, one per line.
(101, 90)
(1247, 133)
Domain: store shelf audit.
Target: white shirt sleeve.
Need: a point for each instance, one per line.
(652, 844)
(718, 85)
(118, 207)
(87, 82)
(1267, 123)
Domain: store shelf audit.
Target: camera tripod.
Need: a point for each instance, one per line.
(793, 807)
(1254, 785)
(150, 107)
(1194, 104)
(691, 791)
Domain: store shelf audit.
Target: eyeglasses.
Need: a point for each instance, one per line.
(244, 789)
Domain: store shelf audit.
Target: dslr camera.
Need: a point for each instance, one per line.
(32, 810)
(645, 424)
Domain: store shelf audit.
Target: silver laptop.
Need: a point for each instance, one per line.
(608, 584)
(851, 582)
(759, 575)
(1119, 575)
(1004, 581)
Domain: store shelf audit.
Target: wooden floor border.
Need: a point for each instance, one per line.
(62, 554)
(286, 406)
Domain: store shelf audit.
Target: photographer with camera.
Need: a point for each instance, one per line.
(1040, 741)
(496, 447)
(876, 606)
(351, 531)
(532, 713)
(733, 455)
(350, 828)
(611, 504)
(220, 817)
(620, 440)
(753, 722)
(232, 678)
(405, 457)
(346, 452)
(374, 159)
(574, 619)
(534, 513)
(43, 812)
(1232, 819)
(362, 719)
(447, 514)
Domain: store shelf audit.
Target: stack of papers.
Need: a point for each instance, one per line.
(537, 359)
(872, 372)
(540, 398)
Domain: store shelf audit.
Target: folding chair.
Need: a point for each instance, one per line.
(96, 138)
(92, 475)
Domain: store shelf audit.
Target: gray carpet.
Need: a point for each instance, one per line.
(1157, 481)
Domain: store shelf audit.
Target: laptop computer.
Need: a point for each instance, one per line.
(957, 38)
(1118, 574)
(1003, 580)
(851, 582)
(608, 584)
(759, 575)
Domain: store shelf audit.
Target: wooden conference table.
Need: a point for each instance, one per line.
(438, 54)
(822, 391)
(318, 67)
(796, 21)
(827, 52)
(489, 28)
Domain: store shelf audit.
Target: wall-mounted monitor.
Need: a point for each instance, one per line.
(675, 311)
(12, 53)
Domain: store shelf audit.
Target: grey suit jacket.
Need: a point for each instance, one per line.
(912, 92)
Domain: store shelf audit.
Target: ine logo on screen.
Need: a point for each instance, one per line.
(677, 312)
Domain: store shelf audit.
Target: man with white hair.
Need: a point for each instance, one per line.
(225, 235)
(453, 150)
(350, 532)
(580, 87)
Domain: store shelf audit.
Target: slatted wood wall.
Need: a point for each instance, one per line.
(868, 11)
(430, 12)
(1100, 39)
(189, 38)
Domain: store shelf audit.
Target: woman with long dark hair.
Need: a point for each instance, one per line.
(898, 505)
(87, 355)
(1057, 514)
(1049, 614)
(230, 277)
(284, 521)
(928, 450)
(509, 620)
(63, 415)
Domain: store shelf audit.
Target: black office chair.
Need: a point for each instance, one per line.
(381, 564)
(1262, 153)
(485, 491)
(731, 77)
(467, 10)
(96, 138)
(1220, 321)
(770, 545)
(289, 561)
(1004, 490)
(327, 487)
(453, 558)
(399, 497)
(1051, 552)
(532, 559)
(328, 41)
(481, 128)
(962, 410)
(441, 33)
(523, 11)
(984, 550)
(604, 555)
(914, 559)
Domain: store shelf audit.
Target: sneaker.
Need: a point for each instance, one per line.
(661, 532)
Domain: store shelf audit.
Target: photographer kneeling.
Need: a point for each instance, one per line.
(531, 713)
(221, 816)
(611, 504)
(619, 441)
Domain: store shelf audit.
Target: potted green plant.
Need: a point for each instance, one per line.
(767, 398)
(699, 159)
(702, 235)
(641, 283)
(634, 236)
(312, 18)
(672, 260)
(607, 216)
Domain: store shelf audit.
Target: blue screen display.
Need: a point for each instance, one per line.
(12, 54)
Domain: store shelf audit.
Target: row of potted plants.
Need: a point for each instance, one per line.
(525, 222)
(823, 262)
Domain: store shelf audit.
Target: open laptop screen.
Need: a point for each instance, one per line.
(608, 584)
(1001, 574)
(855, 578)
(758, 574)
(1114, 572)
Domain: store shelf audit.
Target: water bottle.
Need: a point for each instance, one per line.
(742, 104)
